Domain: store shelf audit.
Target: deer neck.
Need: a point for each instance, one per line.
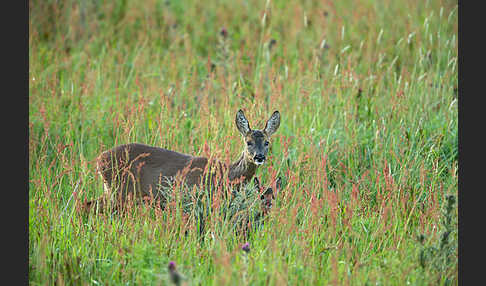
(242, 167)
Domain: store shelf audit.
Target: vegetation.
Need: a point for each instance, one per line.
(367, 146)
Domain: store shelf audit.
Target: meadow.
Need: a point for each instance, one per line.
(367, 145)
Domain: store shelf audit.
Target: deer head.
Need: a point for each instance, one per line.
(268, 196)
(257, 141)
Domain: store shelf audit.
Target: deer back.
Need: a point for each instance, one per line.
(143, 169)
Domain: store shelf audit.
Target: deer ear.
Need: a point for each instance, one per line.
(273, 123)
(242, 123)
(278, 184)
(268, 192)
(256, 182)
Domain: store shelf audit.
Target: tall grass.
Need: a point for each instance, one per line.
(367, 146)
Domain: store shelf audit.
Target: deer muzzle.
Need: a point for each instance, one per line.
(259, 159)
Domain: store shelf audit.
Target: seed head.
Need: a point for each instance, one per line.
(272, 43)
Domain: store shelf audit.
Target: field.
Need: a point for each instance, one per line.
(367, 146)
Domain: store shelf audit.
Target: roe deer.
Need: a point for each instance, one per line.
(248, 218)
(141, 169)
(268, 196)
(245, 210)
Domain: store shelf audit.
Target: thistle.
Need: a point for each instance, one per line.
(175, 276)
(246, 247)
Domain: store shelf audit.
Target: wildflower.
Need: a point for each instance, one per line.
(175, 277)
(246, 247)
(223, 32)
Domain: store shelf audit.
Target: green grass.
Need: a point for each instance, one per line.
(367, 145)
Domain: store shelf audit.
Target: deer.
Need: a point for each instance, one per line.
(140, 170)
(268, 196)
(247, 221)
(246, 210)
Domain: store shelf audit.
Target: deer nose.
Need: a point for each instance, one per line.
(259, 159)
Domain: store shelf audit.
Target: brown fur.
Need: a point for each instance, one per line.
(268, 196)
(141, 169)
